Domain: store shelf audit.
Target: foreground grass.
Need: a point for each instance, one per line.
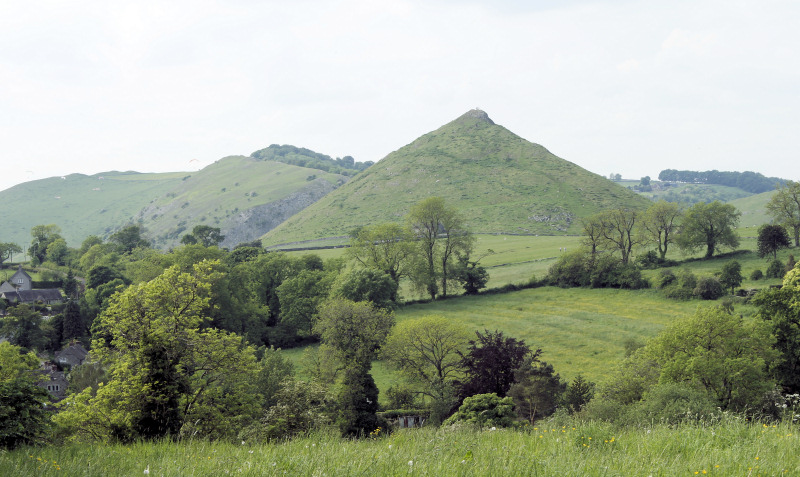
(733, 447)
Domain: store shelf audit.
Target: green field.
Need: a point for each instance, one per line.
(732, 447)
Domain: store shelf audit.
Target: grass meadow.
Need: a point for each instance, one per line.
(559, 447)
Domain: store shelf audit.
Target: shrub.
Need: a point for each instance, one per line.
(708, 288)
(756, 275)
(665, 278)
(775, 269)
(683, 286)
(672, 403)
(570, 270)
(485, 410)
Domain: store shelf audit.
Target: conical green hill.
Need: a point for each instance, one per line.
(501, 182)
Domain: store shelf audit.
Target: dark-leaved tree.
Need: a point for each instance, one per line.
(772, 238)
(490, 363)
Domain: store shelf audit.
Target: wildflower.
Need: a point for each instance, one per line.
(147, 470)
(411, 462)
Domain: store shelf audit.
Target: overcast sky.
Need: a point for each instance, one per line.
(614, 86)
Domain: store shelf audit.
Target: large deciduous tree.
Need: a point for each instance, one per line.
(43, 236)
(7, 251)
(441, 233)
(168, 374)
(724, 354)
(659, 224)
(204, 235)
(427, 351)
(780, 308)
(355, 331)
(24, 419)
(772, 238)
(129, 238)
(386, 247)
(618, 230)
(711, 226)
(784, 206)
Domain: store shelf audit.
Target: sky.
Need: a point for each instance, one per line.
(629, 87)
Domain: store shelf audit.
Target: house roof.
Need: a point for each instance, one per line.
(6, 287)
(31, 296)
(21, 273)
(75, 353)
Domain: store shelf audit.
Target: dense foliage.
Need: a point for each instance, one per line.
(300, 156)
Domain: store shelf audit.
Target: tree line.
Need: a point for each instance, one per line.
(752, 182)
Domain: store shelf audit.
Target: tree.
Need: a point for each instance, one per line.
(472, 276)
(592, 234)
(22, 326)
(386, 247)
(780, 309)
(370, 285)
(7, 251)
(441, 232)
(43, 236)
(731, 276)
(711, 226)
(772, 238)
(70, 285)
(168, 375)
(784, 207)
(24, 419)
(129, 238)
(579, 392)
(427, 351)
(490, 363)
(538, 389)
(204, 235)
(100, 275)
(617, 229)
(300, 296)
(724, 354)
(659, 224)
(355, 331)
(57, 251)
(74, 327)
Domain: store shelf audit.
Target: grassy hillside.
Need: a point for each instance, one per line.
(219, 194)
(81, 205)
(753, 209)
(498, 180)
(234, 193)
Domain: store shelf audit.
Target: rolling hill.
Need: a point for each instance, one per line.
(81, 205)
(243, 196)
(498, 180)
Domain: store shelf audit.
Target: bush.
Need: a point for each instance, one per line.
(708, 288)
(776, 269)
(665, 278)
(756, 275)
(577, 269)
(485, 410)
(570, 270)
(682, 288)
(672, 403)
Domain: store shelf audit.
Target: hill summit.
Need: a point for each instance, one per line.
(501, 182)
